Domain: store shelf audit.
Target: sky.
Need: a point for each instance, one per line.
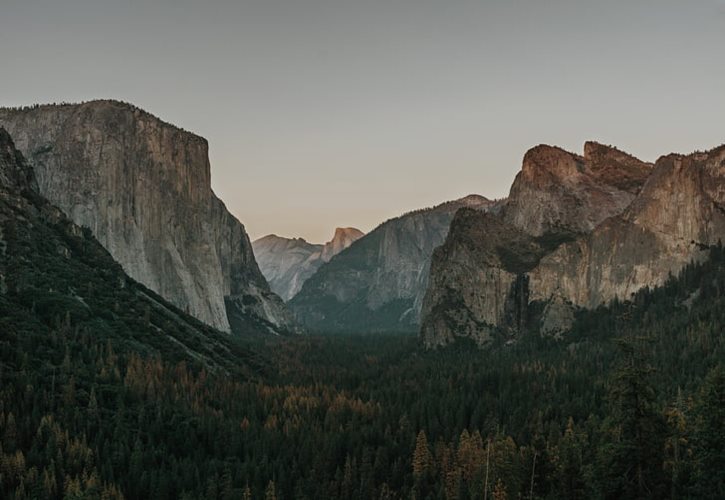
(327, 113)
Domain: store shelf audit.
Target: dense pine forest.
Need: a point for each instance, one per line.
(101, 397)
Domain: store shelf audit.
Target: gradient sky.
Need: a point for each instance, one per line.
(325, 113)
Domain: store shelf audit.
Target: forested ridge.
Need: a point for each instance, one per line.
(108, 392)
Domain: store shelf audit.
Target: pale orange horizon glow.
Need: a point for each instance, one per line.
(324, 113)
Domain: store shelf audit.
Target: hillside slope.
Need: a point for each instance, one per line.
(378, 283)
(143, 187)
(54, 274)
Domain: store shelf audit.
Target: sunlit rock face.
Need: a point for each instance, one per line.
(143, 187)
(378, 283)
(288, 262)
(576, 232)
(561, 191)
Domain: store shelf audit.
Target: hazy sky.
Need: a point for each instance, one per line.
(325, 113)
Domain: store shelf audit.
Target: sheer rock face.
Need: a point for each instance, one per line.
(378, 283)
(288, 262)
(343, 238)
(599, 226)
(471, 276)
(15, 174)
(560, 191)
(143, 187)
(678, 213)
(47, 259)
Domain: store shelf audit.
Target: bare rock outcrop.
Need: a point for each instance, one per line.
(560, 191)
(575, 232)
(288, 262)
(143, 188)
(677, 215)
(378, 283)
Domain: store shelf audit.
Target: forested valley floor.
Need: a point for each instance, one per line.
(629, 404)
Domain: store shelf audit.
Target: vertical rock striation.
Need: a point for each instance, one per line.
(143, 187)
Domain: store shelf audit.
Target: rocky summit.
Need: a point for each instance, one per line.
(288, 262)
(143, 188)
(378, 283)
(576, 232)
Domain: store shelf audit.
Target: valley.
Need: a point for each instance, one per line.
(320, 250)
(545, 345)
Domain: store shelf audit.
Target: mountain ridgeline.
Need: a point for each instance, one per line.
(378, 283)
(288, 262)
(143, 188)
(109, 390)
(576, 232)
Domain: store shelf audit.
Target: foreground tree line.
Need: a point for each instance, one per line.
(637, 451)
(631, 404)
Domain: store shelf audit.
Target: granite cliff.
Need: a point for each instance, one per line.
(55, 278)
(576, 232)
(143, 188)
(378, 283)
(288, 262)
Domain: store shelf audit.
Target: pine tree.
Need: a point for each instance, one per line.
(422, 458)
(632, 463)
(10, 434)
(499, 491)
(570, 462)
(227, 487)
(709, 436)
(271, 492)
(677, 445)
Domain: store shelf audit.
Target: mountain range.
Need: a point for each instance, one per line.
(597, 289)
(288, 262)
(378, 283)
(576, 232)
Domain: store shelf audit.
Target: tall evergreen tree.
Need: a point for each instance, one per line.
(422, 458)
(633, 458)
(708, 437)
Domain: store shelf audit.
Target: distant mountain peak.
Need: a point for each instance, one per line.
(343, 238)
(346, 232)
(288, 262)
(473, 199)
(557, 190)
(544, 164)
(378, 283)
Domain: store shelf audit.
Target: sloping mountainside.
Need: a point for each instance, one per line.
(378, 283)
(55, 275)
(79, 340)
(288, 262)
(143, 188)
(576, 232)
